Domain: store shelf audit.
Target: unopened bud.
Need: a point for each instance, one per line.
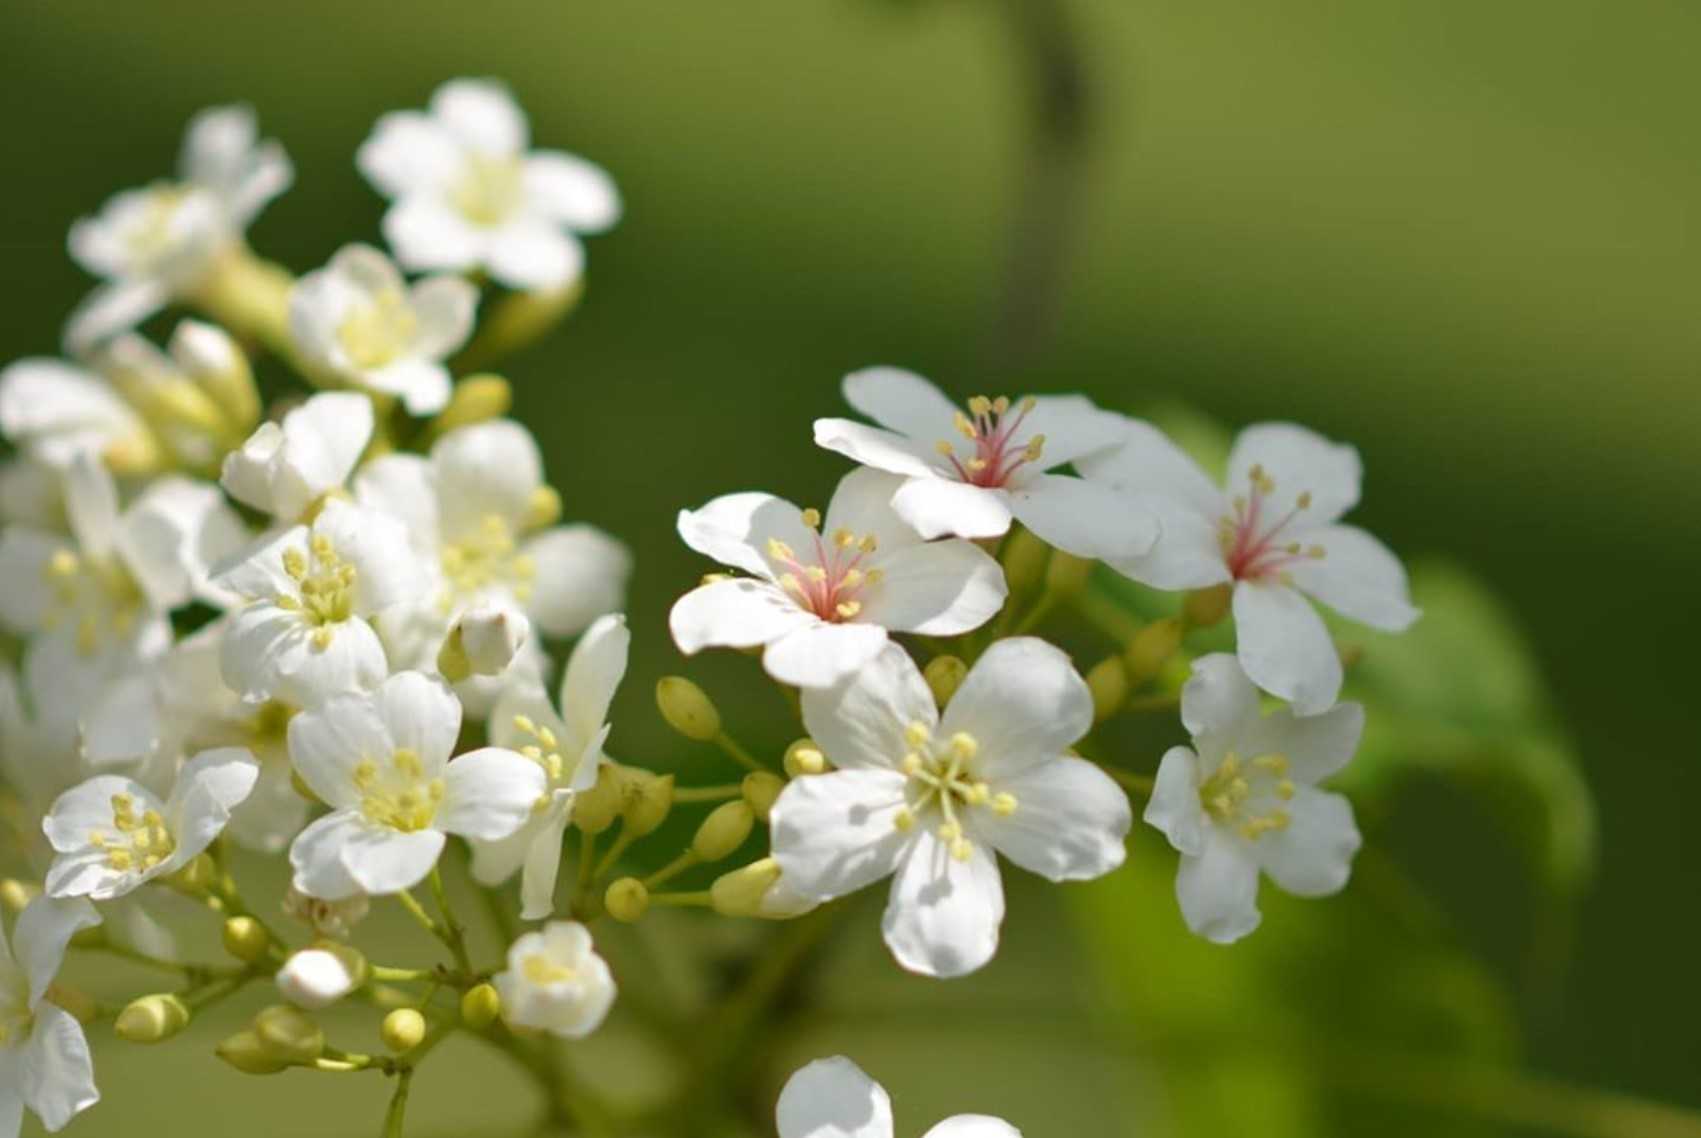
(543, 508)
(15, 894)
(724, 830)
(688, 709)
(482, 643)
(248, 1054)
(944, 675)
(740, 892)
(208, 355)
(402, 1030)
(595, 809)
(804, 757)
(627, 900)
(1205, 608)
(1066, 575)
(520, 318)
(318, 977)
(649, 797)
(1108, 681)
(197, 876)
(150, 1019)
(289, 1033)
(1151, 648)
(475, 399)
(245, 938)
(480, 1006)
(1024, 558)
(760, 788)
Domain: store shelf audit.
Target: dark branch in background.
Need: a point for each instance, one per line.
(1059, 104)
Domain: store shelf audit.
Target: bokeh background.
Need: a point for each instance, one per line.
(1461, 235)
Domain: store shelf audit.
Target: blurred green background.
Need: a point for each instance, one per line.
(1461, 235)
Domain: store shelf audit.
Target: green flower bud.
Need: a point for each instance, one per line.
(627, 900)
(402, 1030)
(150, 1019)
(1151, 648)
(649, 797)
(475, 399)
(724, 830)
(760, 788)
(1204, 608)
(289, 1033)
(944, 675)
(688, 709)
(595, 810)
(1067, 574)
(740, 892)
(15, 894)
(480, 1006)
(245, 938)
(248, 1054)
(804, 757)
(1108, 681)
(1024, 558)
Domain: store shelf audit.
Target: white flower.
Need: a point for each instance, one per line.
(1273, 534)
(1244, 798)
(930, 798)
(489, 636)
(54, 411)
(380, 760)
(303, 633)
(113, 834)
(822, 600)
(287, 470)
(316, 978)
(357, 320)
(968, 474)
(834, 1098)
(157, 243)
(468, 194)
(44, 1058)
(556, 982)
(567, 746)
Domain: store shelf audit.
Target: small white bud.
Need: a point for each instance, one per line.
(318, 977)
(483, 642)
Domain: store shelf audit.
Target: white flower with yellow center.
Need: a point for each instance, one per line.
(1273, 535)
(1244, 798)
(44, 1057)
(303, 632)
(930, 798)
(834, 1098)
(556, 982)
(380, 760)
(357, 321)
(288, 469)
(567, 745)
(969, 473)
(156, 244)
(822, 595)
(112, 834)
(469, 195)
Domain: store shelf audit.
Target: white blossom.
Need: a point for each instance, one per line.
(929, 798)
(834, 1098)
(1244, 798)
(288, 469)
(1274, 535)
(556, 982)
(469, 195)
(968, 474)
(44, 1057)
(316, 978)
(54, 411)
(822, 597)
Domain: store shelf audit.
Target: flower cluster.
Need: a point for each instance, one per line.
(321, 624)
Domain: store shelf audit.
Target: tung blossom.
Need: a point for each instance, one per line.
(470, 195)
(1244, 799)
(823, 594)
(929, 798)
(556, 982)
(1274, 535)
(287, 469)
(834, 1098)
(970, 473)
(44, 1057)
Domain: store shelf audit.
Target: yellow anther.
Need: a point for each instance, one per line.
(63, 563)
(950, 831)
(979, 794)
(961, 849)
(1001, 404)
(852, 579)
(524, 725)
(1035, 445)
(295, 563)
(844, 538)
(1316, 553)
(875, 576)
(1004, 804)
(964, 427)
(911, 764)
(904, 820)
(1304, 501)
(917, 733)
(847, 610)
(540, 969)
(365, 772)
(322, 638)
(964, 746)
(779, 550)
(976, 465)
(815, 573)
(119, 860)
(1275, 764)
(1285, 789)
(812, 518)
(944, 448)
(980, 405)
(406, 761)
(1029, 404)
(869, 543)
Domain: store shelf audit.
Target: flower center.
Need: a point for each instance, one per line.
(488, 190)
(396, 794)
(325, 583)
(541, 970)
(1247, 796)
(545, 750)
(831, 582)
(1251, 539)
(149, 236)
(942, 782)
(377, 332)
(137, 842)
(97, 593)
(485, 557)
(997, 447)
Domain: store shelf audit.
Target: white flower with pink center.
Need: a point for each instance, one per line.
(1273, 534)
(821, 597)
(970, 473)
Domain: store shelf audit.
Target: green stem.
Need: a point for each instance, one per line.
(1106, 616)
(737, 752)
(412, 905)
(672, 869)
(707, 793)
(1133, 783)
(389, 975)
(452, 933)
(394, 1116)
(605, 863)
(700, 899)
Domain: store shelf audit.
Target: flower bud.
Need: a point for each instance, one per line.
(480, 1006)
(520, 318)
(318, 977)
(649, 797)
(15, 894)
(760, 788)
(804, 757)
(197, 876)
(1066, 575)
(1151, 648)
(724, 830)
(1204, 608)
(150, 1019)
(482, 643)
(246, 939)
(475, 399)
(208, 355)
(595, 809)
(543, 508)
(248, 1054)
(1108, 681)
(402, 1030)
(627, 900)
(1024, 558)
(944, 675)
(740, 892)
(688, 709)
(289, 1034)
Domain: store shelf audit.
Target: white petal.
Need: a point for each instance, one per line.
(871, 446)
(324, 439)
(941, 507)
(735, 530)
(942, 588)
(423, 386)
(860, 722)
(833, 1098)
(444, 306)
(405, 487)
(973, 1126)
(580, 573)
(111, 308)
(593, 673)
(1218, 702)
(495, 862)
(1188, 553)
(534, 255)
(943, 915)
(543, 858)
(270, 653)
(1070, 823)
(328, 742)
(419, 712)
(571, 191)
(1313, 856)
(209, 787)
(316, 856)
(1073, 427)
(1285, 647)
(1299, 461)
(383, 861)
(25, 557)
(835, 833)
(408, 152)
(1357, 576)
(481, 115)
(91, 504)
(377, 546)
(818, 654)
(862, 504)
(1148, 462)
(1084, 518)
(58, 1074)
(430, 235)
(43, 930)
(1023, 702)
(902, 401)
(58, 410)
(489, 468)
(1218, 890)
(217, 141)
(1316, 746)
(735, 613)
(490, 793)
(1174, 808)
(11, 1092)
